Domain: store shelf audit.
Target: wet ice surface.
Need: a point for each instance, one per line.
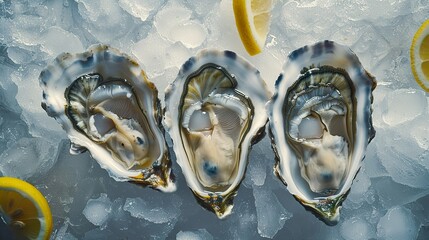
(388, 200)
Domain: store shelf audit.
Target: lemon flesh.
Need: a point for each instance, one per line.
(24, 210)
(420, 56)
(252, 18)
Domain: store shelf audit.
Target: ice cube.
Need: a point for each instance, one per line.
(350, 34)
(260, 168)
(200, 234)
(257, 168)
(270, 212)
(169, 17)
(191, 33)
(98, 210)
(356, 228)
(242, 223)
(393, 194)
(141, 9)
(20, 55)
(29, 98)
(176, 54)
(222, 29)
(152, 58)
(370, 52)
(157, 213)
(371, 164)
(26, 29)
(56, 40)
(403, 105)
(419, 131)
(174, 24)
(402, 157)
(393, 70)
(359, 188)
(398, 223)
(157, 209)
(28, 157)
(120, 218)
(104, 19)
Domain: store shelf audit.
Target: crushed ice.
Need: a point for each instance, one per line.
(389, 194)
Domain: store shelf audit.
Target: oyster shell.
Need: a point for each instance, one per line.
(105, 103)
(320, 125)
(211, 117)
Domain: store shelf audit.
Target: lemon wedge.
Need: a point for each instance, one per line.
(420, 56)
(24, 209)
(252, 18)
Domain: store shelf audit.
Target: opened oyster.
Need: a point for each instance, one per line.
(105, 103)
(320, 125)
(215, 110)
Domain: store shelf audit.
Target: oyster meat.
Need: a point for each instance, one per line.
(320, 125)
(215, 110)
(105, 103)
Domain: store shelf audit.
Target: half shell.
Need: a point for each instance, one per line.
(105, 103)
(320, 125)
(215, 111)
